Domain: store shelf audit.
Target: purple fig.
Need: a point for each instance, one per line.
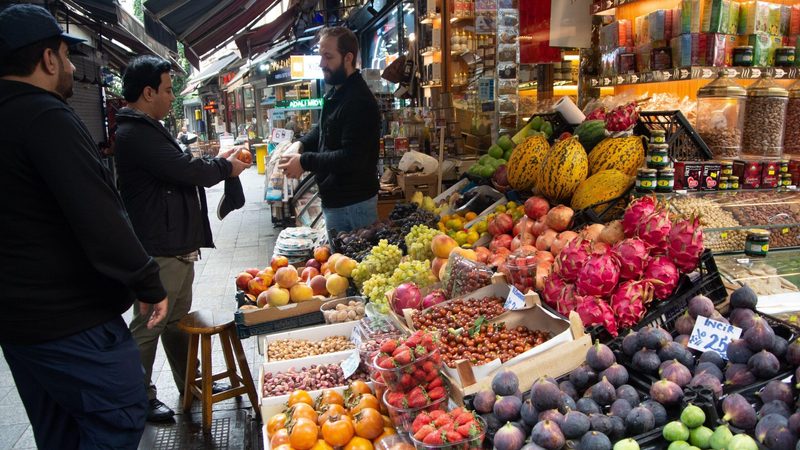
(764, 365)
(780, 438)
(794, 423)
(738, 352)
(766, 423)
(595, 440)
(650, 338)
(779, 346)
(509, 437)
(583, 377)
(658, 411)
(528, 413)
(505, 383)
(616, 374)
(672, 350)
(567, 403)
(775, 407)
(760, 336)
(507, 408)
(707, 380)
(545, 395)
(793, 353)
(744, 297)
(588, 406)
(666, 392)
(618, 429)
(601, 423)
(599, 357)
(575, 425)
(713, 358)
(719, 318)
(620, 408)
(548, 435)
(739, 375)
(484, 401)
(631, 343)
(700, 305)
(640, 420)
(629, 393)
(742, 318)
(738, 411)
(684, 324)
(777, 390)
(553, 415)
(567, 387)
(709, 368)
(646, 361)
(675, 372)
(682, 339)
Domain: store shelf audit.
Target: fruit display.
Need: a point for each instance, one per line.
(482, 343)
(284, 349)
(457, 429)
(601, 187)
(418, 242)
(404, 364)
(453, 225)
(612, 286)
(323, 276)
(690, 432)
(306, 378)
(590, 133)
(563, 169)
(351, 421)
(625, 154)
(459, 313)
(525, 162)
(497, 156)
(463, 276)
(344, 310)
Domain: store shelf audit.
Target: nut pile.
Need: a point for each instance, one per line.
(762, 208)
(306, 378)
(458, 313)
(763, 126)
(759, 275)
(300, 348)
(344, 312)
(791, 136)
(489, 343)
(713, 216)
(723, 142)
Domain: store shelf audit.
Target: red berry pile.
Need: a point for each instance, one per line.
(438, 428)
(405, 364)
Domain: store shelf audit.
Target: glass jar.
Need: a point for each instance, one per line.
(726, 168)
(646, 180)
(733, 183)
(791, 134)
(784, 56)
(665, 180)
(764, 116)
(657, 156)
(723, 184)
(743, 56)
(720, 113)
(757, 243)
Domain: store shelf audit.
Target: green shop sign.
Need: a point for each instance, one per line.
(303, 103)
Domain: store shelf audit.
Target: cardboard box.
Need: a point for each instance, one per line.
(770, 174)
(310, 334)
(749, 173)
(710, 178)
(259, 316)
(410, 183)
(687, 175)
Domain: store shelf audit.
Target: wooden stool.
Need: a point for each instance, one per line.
(201, 325)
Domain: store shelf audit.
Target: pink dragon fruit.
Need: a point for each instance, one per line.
(595, 311)
(654, 231)
(559, 294)
(663, 274)
(632, 255)
(597, 114)
(600, 275)
(686, 244)
(572, 258)
(629, 300)
(622, 118)
(636, 211)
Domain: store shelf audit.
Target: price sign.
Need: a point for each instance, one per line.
(712, 336)
(280, 135)
(724, 235)
(515, 299)
(350, 365)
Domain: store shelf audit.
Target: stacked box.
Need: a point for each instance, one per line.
(690, 16)
(656, 25)
(756, 17)
(786, 18)
(716, 16)
(794, 20)
(733, 22)
(677, 22)
(764, 47)
(681, 50)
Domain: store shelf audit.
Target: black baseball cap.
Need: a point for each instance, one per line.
(25, 24)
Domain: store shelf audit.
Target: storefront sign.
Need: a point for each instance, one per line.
(279, 76)
(226, 78)
(302, 103)
(305, 67)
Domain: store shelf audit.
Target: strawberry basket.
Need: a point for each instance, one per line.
(473, 442)
(402, 418)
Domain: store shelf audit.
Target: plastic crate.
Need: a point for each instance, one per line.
(289, 323)
(560, 124)
(609, 210)
(685, 144)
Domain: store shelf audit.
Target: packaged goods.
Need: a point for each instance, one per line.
(687, 175)
(758, 17)
(681, 50)
(716, 16)
(690, 16)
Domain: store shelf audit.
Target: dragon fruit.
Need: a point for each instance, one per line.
(597, 114)
(636, 211)
(600, 275)
(629, 300)
(663, 274)
(654, 231)
(686, 244)
(632, 255)
(559, 294)
(572, 258)
(622, 118)
(595, 311)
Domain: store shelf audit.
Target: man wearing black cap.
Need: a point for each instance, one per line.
(71, 260)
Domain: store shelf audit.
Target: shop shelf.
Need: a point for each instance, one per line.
(691, 73)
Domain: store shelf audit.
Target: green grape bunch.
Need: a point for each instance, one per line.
(418, 242)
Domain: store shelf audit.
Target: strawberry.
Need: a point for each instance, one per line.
(427, 341)
(421, 432)
(399, 349)
(385, 362)
(443, 420)
(435, 438)
(449, 427)
(415, 339)
(422, 419)
(419, 374)
(388, 346)
(429, 367)
(465, 417)
(395, 398)
(403, 358)
(406, 381)
(417, 398)
(420, 351)
(453, 436)
(436, 413)
(437, 393)
(456, 412)
(469, 430)
(436, 382)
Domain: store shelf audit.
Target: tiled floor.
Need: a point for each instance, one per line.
(244, 239)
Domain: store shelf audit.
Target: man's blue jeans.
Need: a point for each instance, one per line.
(351, 217)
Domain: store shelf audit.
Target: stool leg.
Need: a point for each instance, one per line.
(206, 380)
(191, 373)
(227, 351)
(244, 369)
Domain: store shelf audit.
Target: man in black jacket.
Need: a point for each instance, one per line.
(342, 150)
(162, 188)
(71, 260)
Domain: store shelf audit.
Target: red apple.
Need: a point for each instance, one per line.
(317, 284)
(242, 279)
(322, 254)
(257, 286)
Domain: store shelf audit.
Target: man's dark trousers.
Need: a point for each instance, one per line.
(83, 391)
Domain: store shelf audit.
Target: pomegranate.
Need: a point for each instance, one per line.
(536, 207)
(545, 240)
(560, 217)
(433, 298)
(406, 296)
(592, 232)
(561, 240)
(501, 224)
(500, 241)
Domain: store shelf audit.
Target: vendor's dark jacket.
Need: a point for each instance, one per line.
(342, 149)
(70, 258)
(162, 186)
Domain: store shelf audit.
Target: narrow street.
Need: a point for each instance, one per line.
(243, 239)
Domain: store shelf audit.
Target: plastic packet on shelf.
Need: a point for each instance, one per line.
(463, 276)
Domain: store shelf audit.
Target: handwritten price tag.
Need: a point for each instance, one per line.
(515, 299)
(350, 365)
(711, 336)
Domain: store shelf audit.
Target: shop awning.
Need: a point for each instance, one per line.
(238, 79)
(213, 69)
(203, 25)
(262, 38)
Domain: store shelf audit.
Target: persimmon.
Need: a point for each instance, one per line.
(359, 443)
(280, 436)
(276, 422)
(364, 401)
(330, 397)
(303, 434)
(300, 396)
(321, 445)
(368, 423)
(338, 430)
(303, 410)
(329, 410)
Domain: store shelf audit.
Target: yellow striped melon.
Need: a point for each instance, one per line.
(625, 154)
(600, 187)
(525, 161)
(564, 168)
